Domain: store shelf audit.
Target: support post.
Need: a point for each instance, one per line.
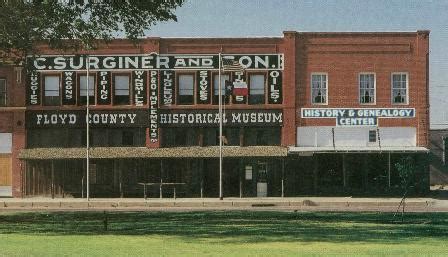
(366, 172)
(241, 171)
(344, 172)
(220, 127)
(120, 181)
(87, 130)
(52, 179)
(161, 179)
(283, 177)
(388, 169)
(201, 167)
(315, 174)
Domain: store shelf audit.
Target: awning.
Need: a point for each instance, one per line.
(143, 152)
(355, 149)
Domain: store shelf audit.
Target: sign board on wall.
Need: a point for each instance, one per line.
(357, 116)
(152, 118)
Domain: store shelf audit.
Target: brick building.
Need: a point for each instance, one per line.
(325, 113)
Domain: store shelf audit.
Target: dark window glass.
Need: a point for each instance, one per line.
(127, 138)
(256, 89)
(99, 137)
(121, 92)
(186, 89)
(51, 90)
(262, 136)
(3, 97)
(231, 136)
(372, 136)
(180, 137)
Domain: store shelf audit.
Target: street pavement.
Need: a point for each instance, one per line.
(299, 204)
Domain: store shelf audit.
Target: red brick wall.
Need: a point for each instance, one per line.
(344, 55)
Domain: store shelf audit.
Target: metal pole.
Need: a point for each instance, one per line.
(220, 128)
(283, 177)
(388, 169)
(87, 131)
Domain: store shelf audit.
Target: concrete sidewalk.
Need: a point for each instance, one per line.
(189, 204)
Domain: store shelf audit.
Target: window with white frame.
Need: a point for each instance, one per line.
(319, 88)
(400, 88)
(83, 90)
(186, 89)
(51, 91)
(121, 90)
(256, 89)
(367, 88)
(3, 97)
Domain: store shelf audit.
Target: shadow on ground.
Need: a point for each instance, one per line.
(241, 226)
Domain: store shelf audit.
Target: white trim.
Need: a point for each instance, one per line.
(392, 87)
(348, 149)
(359, 88)
(326, 89)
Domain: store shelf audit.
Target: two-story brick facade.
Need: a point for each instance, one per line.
(319, 107)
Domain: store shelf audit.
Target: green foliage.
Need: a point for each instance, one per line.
(75, 24)
(406, 172)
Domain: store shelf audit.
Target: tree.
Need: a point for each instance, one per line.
(75, 24)
(406, 172)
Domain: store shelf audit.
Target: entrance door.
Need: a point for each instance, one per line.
(262, 179)
(5, 175)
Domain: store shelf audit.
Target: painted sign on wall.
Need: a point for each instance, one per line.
(359, 116)
(116, 118)
(210, 118)
(68, 88)
(103, 90)
(152, 61)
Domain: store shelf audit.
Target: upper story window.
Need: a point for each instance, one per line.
(186, 89)
(319, 92)
(121, 90)
(224, 77)
(256, 89)
(367, 88)
(51, 90)
(3, 97)
(400, 88)
(83, 89)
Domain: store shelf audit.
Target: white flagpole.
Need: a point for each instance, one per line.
(87, 131)
(220, 128)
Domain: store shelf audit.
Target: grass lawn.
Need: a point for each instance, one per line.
(235, 233)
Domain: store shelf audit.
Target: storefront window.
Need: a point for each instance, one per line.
(262, 136)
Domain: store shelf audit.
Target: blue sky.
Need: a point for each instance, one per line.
(246, 18)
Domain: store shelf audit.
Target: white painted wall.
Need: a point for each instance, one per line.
(5, 143)
(322, 136)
